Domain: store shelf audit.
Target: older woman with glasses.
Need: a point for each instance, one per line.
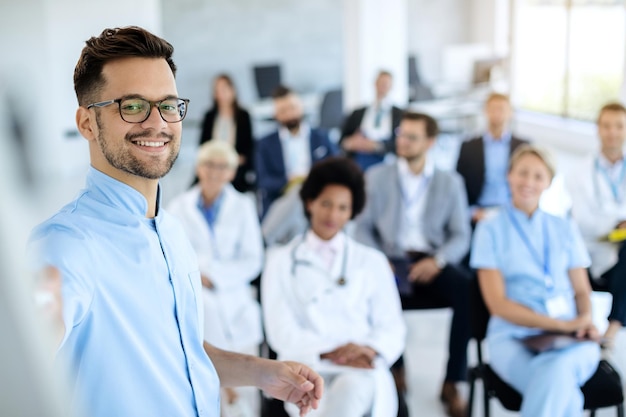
(223, 227)
(532, 274)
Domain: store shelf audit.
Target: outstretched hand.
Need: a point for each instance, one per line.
(293, 382)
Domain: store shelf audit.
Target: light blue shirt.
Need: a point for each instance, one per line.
(495, 191)
(132, 306)
(498, 245)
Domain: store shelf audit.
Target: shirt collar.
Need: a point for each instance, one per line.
(316, 243)
(521, 216)
(405, 171)
(505, 138)
(385, 104)
(118, 194)
(608, 165)
(216, 203)
(284, 134)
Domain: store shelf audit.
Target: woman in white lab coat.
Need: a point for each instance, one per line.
(332, 303)
(223, 227)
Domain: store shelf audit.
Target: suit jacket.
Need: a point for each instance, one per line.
(270, 163)
(471, 165)
(244, 145)
(445, 216)
(354, 120)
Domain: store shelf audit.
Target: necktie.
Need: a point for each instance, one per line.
(378, 117)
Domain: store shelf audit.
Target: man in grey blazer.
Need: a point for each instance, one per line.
(417, 216)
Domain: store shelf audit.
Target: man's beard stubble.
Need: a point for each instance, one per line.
(128, 163)
(292, 124)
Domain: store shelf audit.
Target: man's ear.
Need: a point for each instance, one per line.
(85, 122)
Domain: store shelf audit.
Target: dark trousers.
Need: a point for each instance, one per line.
(614, 281)
(448, 289)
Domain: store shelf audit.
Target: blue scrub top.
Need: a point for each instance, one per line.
(132, 306)
(497, 244)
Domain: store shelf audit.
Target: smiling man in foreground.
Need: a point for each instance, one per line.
(131, 290)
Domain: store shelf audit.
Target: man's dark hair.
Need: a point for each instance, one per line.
(281, 91)
(131, 41)
(432, 128)
(611, 107)
(335, 171)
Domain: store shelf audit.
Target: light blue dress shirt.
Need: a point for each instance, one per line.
(495, 191)
(132, 306)
(498, 245)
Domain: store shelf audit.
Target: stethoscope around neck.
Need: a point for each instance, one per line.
(341, 281)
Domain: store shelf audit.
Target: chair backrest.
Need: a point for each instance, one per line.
(414, 75)
(479, 314)
(418, 91)
(267, 78)
(331, 109)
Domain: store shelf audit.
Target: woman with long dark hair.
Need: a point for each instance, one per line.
(228, 121)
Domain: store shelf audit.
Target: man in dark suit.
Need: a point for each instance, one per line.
(283, 158)
(368, 134)
(483, 160)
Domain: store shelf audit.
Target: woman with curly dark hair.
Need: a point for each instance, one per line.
(332, 302)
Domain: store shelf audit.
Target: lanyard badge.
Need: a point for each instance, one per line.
(543, 262)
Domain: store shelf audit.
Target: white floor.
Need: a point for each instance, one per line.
(426, 358)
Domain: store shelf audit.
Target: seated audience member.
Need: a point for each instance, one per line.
(483, 160)
(368, 133)
(598, 191)
(332, 303)
(284, 157)
(417, 216)
(223, 227)
(532, 274)
(228, 121)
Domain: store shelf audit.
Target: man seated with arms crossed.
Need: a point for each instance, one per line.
(417, 216)
(369, 132)
(131, 290)
(598, 191)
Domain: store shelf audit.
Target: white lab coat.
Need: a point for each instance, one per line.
(307, 313)
(231, 258)
(597, 213)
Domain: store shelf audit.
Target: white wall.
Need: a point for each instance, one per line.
(433, 25)
(41, 42)
(233, 35)
(375, 36)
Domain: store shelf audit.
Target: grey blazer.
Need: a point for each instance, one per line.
(446, 225)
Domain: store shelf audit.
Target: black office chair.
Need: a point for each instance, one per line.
(604, 388)
(331, 110)
(418, 91)
(266, 78)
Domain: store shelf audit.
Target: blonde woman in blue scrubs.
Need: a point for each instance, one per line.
(532, 274)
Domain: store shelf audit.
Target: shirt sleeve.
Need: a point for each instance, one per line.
(63, 248)
(483, 251)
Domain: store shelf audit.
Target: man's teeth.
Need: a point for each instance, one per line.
(153, 144)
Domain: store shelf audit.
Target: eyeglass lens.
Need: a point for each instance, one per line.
(136, 110)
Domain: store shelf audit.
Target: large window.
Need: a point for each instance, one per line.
(568, 55)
